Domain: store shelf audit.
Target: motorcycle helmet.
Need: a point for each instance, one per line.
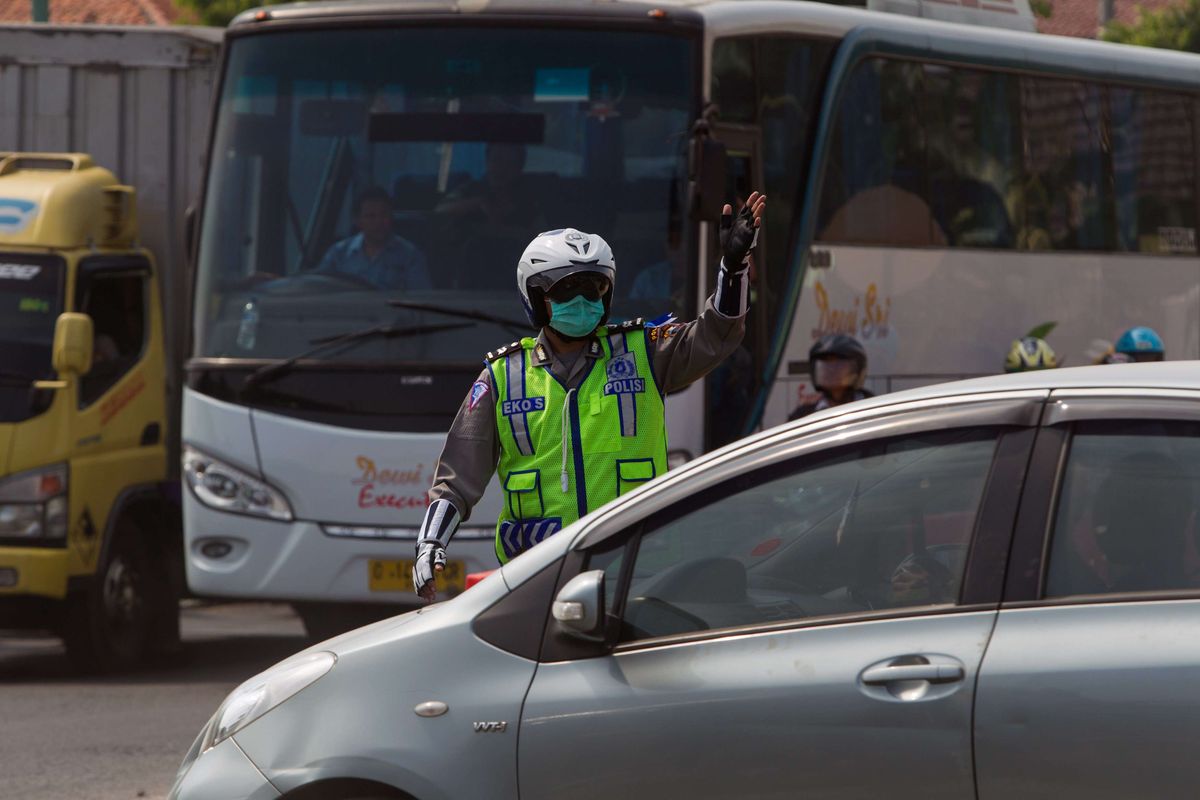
(1141, 344)
(834, 346)
(1030, 353)
(558, 254)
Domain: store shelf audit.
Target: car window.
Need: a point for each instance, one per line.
(1127, 517)
(870, 527)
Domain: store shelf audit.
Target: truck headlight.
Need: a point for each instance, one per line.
(263, 692)
(33, 504)
(226, 488)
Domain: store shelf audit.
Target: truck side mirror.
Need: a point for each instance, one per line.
(706, 178)
(579, 607)
(73, 340)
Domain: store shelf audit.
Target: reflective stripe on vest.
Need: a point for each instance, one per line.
(616, 437)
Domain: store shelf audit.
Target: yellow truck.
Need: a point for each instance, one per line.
(89, 508)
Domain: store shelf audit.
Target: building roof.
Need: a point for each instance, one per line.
(100, 12)
(1082, 17)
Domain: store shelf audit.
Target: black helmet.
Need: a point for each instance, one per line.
(837, 345)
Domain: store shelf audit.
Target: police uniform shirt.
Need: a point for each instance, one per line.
(681, 353)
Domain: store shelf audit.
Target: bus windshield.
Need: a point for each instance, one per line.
(30, 302)
(355, 167)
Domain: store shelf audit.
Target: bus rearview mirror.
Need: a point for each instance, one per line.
(707, 184)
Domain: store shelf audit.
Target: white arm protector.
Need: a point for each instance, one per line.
(441, 521)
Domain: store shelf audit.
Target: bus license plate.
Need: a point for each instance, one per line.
(396, 576)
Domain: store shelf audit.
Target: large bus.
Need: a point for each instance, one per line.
(935, 189)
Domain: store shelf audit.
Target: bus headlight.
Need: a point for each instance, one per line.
(226, 488)
(33, 504)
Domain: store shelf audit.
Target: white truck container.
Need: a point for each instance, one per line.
(136, 98)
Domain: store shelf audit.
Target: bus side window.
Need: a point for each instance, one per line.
(1154, 170)
(876, 185)
(116, 302)
(973, 152)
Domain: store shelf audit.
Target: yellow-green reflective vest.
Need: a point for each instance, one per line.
(564, 453)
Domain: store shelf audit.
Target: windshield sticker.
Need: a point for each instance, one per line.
(19, 272)
(16, 214)
(380, 488)
(560, 85)
(35, 304)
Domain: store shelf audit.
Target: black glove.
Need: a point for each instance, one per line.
(738, 237)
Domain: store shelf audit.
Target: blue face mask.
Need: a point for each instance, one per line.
(576, 317)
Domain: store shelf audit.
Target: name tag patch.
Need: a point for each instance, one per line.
(626, 386)
(524, 406)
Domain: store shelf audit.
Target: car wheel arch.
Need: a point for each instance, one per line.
(347, 789)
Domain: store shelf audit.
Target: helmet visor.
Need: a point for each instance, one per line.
(836, 373)
(591, 285)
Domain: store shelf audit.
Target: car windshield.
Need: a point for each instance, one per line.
(354, 167)
(30, 302)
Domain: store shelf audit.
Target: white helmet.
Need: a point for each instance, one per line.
(554, 255)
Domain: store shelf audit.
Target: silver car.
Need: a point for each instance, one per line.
(988, 589)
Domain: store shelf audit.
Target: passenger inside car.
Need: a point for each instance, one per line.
(1142, 521)
(1127, 518)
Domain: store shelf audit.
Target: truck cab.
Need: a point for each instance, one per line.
(89, 522)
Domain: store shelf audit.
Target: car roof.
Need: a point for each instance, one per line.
(1027, 386)
(1159, 375)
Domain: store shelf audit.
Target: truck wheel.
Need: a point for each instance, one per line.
(108, 623)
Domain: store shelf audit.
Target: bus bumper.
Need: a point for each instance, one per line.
(237, 556)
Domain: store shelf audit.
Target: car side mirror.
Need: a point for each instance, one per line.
(579, 607)
(73, 340)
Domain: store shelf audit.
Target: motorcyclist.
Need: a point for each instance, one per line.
(837, 363)
(574, 417)
(1030, 353)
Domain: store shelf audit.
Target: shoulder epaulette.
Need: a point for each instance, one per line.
(500, 352)
(630, 325)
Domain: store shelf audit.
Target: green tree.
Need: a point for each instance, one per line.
(217, 12)
(1176, 28)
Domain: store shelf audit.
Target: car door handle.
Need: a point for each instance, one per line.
(934, 673)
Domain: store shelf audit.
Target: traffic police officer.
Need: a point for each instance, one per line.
(575, 417)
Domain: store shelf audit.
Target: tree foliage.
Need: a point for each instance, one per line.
(1042, 8)
(217, 12)
(1176, 28)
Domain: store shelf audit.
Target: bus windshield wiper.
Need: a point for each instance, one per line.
(273, 370)
(512, 325)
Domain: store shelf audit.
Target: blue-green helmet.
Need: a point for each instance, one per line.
(1141, 344)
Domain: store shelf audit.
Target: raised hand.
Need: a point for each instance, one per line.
(739, 234)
